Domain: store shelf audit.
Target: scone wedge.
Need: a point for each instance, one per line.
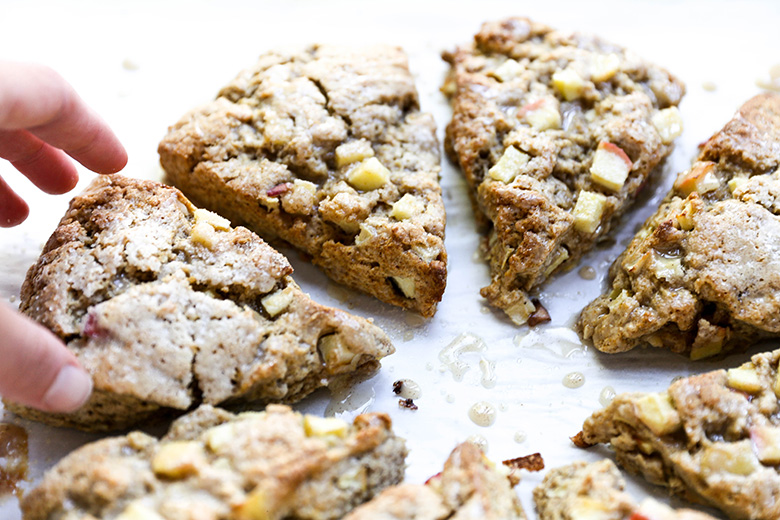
(325, 148)
(555, 133)
(212, 464)
(712, 438)
(167, 306)
(702, 276)
(470, 487)
(596, 491)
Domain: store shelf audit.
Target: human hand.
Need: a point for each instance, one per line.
(42, 121)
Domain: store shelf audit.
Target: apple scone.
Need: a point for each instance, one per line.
(212, 464)
(596, 491)
(713, 438)
(470, 487)
(325, 148)
(555, 133)
(167, 306)
(702, 276)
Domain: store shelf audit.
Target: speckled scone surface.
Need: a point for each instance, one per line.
(555, 133)
(596, 490)
(712, 438)
(325, 148)
(703, 274)
(167, 306)
(468, 488)
(215, 465)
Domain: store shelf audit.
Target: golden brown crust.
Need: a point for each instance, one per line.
(497, 83)
(287, 120)
(701, 276)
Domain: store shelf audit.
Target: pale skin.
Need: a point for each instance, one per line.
(43, 125)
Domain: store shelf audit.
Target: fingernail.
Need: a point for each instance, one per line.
(70, 390)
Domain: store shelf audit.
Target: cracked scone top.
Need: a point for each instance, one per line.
(470, 487)
(555, 133)
(713, 438)
(596, 491)
(702, 276)
(325, 148)
(167, 306)
(215, 465)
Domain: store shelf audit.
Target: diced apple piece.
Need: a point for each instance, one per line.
(202, 233)
(352, 152)
(651, 509)
(354, 479)
(211, 218)
(138, 511)
(744, 378)
(334, 352)
(657, 413)
(669, 124)
(700, 179)
(561, 255)
(766, 443)
(178, 459)
(257, 506)
(510, 164)
(588, 508)
(508, 70)
(736, 183)
(366, 233)
(604, 66)
(667, 268)
(706, 350)
(588, 211)
(733, 457)
(407, 207)
(520, 311)
(369, 175)
(427, 253)
(685, 217)
(324, 426)
(542, 115)
(610, 166)
(220, 437)
(406, 285)
(568, 83)
(278, 301)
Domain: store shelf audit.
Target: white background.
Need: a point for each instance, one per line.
(183, 52)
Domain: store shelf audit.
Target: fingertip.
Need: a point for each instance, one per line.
(13, 209)
(69, 391)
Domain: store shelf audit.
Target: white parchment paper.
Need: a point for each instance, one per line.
(143, 64)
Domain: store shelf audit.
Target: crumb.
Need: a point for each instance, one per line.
(533, 462)
(407, 403)
(579, 441)
(397, 387)
(539, 316)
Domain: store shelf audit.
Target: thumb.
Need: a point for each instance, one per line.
(36, 369)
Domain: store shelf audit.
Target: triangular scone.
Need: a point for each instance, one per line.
(595, 491)
(555, 133)
(167, 306)
(702, 276)
(215, 465)
(469, 488)
(712, 438)
(325, 148)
